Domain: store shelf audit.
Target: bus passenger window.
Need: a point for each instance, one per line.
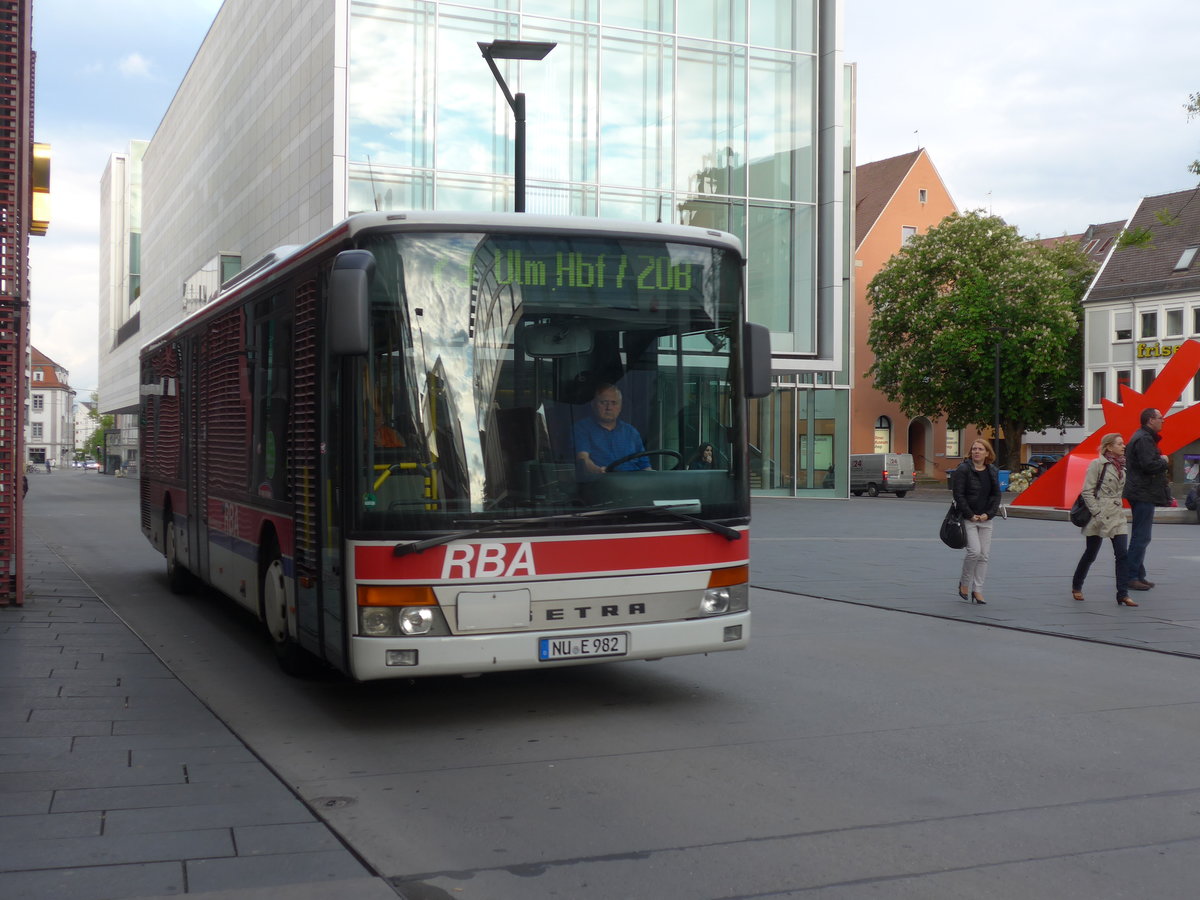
(272, 399)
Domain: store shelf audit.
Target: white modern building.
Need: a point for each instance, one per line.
(730, 115)
(121, 335)
(86, 422)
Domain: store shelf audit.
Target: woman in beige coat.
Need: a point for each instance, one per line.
(1107, 471)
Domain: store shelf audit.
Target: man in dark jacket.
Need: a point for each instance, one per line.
(1145, 488)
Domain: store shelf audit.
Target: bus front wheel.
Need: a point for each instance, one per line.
(273, 609)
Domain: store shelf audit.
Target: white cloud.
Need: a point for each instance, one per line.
(1051, 118)
(135, 66)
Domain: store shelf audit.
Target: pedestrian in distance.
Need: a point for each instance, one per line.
(977, 498)
(1145, 488)
(1103, 487)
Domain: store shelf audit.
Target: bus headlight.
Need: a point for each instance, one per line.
(731, 598)
(416, 620)
(378, 622)
(401, 621)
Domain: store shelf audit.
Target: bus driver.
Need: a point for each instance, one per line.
(603, 437)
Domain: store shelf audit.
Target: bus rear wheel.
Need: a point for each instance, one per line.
(273, 609)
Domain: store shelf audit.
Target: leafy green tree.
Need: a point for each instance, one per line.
(94, 446)
(943, 303)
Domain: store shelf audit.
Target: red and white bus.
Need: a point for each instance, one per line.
(369, 442)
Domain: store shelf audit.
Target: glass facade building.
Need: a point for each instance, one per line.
(725, 114)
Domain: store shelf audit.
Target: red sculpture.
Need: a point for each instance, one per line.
(1061, 484)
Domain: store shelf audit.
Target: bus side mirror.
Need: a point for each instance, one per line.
(756, 360)
(348, 318)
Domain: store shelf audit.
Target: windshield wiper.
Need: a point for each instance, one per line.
(730, 534)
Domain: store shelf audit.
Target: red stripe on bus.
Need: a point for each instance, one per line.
(587, 557)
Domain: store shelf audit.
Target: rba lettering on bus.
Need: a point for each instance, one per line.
(488, 560)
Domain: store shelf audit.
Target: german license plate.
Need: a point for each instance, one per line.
(587, 647)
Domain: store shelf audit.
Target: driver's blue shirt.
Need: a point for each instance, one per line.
(603, 446)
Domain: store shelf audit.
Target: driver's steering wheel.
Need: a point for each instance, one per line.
(628, 456)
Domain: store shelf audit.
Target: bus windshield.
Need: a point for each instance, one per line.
(517, 375)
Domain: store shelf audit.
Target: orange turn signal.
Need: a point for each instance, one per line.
(395, 595)
(726, 577)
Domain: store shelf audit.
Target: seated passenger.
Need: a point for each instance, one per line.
(603, 438)
(703, 459)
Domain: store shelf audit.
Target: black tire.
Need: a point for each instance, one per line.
(857, 493)
(872, 490)
(179, 579)
(901, 493)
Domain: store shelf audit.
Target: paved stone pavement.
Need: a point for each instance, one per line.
(117, 782)
(884, 551)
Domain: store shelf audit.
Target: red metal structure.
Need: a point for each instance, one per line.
(16, 224)
(1061, 485)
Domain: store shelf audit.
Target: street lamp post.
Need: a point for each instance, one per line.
(527, 50)
(996, 398)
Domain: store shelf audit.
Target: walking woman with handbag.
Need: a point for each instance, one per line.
(977, 496)
(1102, 488)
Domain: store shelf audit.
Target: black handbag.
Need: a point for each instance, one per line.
(1080, 515)
(953, 532)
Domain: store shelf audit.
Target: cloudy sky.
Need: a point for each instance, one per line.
(1053, 114)
(106, 73)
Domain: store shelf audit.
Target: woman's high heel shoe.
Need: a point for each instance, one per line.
(977, 597)
(1076, 595)
(962, 592)
(1125, 601)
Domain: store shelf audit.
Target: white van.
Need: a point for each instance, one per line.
(881, 473)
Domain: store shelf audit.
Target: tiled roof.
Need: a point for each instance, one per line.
(1097, 240)
(875, 184)
(1132, 272)
(49, 369)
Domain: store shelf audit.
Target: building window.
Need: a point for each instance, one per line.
(953, 441)
(1196, 320)
(35, 431)
(1124, 380)
(1123, 326)
(883, 435)
(1098, 387)
(39, 402)
(1174, 323)
(38, 375)
(907, 233)
(1149, 324)
(1196, 388)
(923, 194)
(1147, 379)
(1185, 260)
